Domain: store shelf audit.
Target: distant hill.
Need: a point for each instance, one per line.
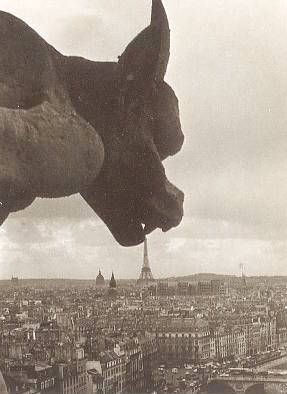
(201, 277)
(268, 280)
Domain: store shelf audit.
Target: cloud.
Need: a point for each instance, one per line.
(222, 256)
(78, 248)
(231, 81)
(175, 244)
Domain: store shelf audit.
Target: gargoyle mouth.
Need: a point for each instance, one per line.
(164, 210)
(130, 222)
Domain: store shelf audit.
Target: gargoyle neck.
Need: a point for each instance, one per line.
(93, 83)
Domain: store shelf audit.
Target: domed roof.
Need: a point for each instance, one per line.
(100, 280)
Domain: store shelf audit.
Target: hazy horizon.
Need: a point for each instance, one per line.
(175, 277)
(228, 69)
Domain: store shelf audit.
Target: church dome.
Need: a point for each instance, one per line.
(100, 280)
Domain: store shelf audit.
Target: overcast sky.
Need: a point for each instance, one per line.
(228, 67)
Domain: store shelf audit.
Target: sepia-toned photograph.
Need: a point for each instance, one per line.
(143, 221)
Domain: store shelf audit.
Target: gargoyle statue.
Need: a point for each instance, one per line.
(102, 129)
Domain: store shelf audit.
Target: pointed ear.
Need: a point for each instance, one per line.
(146, 58)
(160, 23)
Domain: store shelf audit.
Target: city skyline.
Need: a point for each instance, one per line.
(200, 335)
(227, 67)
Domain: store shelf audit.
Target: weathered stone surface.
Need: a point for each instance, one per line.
(3, 389)
(69, 125)
(51, 152)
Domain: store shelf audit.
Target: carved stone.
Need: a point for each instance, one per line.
(102, 129)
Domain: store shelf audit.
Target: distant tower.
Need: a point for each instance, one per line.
(100, 280)
(146, 277)
(112, 290)
(243, 277)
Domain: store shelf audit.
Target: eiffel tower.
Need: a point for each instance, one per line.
(146, 277)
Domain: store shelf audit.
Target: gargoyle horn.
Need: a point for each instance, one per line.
(146, 58)
(159, 23)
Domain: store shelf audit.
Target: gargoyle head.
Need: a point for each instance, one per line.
(140, 128)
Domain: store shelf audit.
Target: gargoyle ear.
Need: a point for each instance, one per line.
(146, 58)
